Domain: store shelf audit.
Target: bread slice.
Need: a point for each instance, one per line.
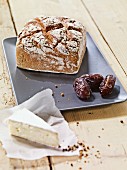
(51, 44)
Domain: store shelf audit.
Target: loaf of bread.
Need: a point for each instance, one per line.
(51, 44)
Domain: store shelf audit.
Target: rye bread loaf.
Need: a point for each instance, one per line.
(51, 44)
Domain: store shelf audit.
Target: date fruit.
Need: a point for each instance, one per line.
(107, 85)
(94, 80)
(82, 88)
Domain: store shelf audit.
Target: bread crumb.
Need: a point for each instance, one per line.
(90, 113)
(77, 123)
(71, 164)
(56, 86)
(88, 147)
(86, 155)
(121, 121)
(62, 94)
(81, 154)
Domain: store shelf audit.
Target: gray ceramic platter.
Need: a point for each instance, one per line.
(27, 83)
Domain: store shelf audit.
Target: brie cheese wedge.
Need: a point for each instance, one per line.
(25, 124)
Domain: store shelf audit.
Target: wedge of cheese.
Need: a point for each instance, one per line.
(25, 124)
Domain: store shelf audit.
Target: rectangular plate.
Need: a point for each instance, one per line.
(26, 83)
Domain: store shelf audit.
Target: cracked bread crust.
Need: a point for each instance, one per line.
(51, 44)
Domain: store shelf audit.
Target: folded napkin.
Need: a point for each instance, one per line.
(43, 105)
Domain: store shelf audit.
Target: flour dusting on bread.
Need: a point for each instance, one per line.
(51, 44)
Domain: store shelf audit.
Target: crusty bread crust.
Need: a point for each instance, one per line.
(51, 44)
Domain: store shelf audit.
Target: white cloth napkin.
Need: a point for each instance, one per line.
(43, 105)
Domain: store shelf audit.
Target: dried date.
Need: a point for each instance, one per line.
(82, 88)
(94, 80)
(107, 85)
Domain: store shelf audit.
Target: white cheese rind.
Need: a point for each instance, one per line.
(27, 125)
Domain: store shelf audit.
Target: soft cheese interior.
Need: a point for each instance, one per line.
(25, 124)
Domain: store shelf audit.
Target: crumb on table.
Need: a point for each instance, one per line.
(62, 94)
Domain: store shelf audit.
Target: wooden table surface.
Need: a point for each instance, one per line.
(100, 127)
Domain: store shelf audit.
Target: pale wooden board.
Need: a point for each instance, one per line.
(90, 125)
(89, 129)
(111, 19)
(6, 29)
(6, 96)
(10, 164)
